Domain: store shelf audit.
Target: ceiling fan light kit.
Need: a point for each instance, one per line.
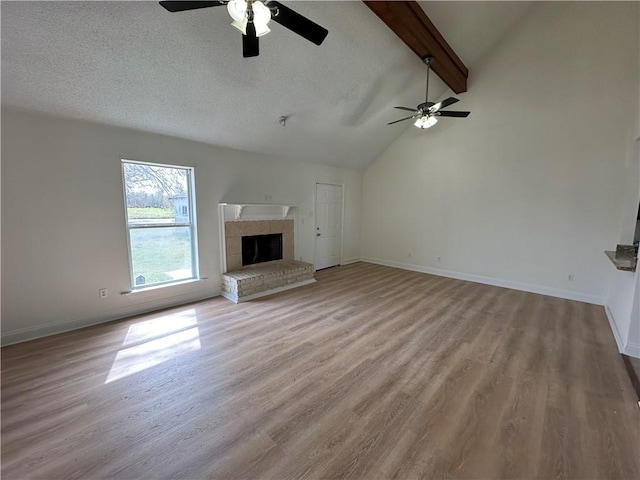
(426, 122)
(251, 18)
(427, 112)
(244, 12)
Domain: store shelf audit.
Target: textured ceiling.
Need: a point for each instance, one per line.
(133, 64)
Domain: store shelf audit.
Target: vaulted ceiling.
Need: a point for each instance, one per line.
(133, 64)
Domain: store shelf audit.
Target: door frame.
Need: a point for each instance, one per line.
(315, 213)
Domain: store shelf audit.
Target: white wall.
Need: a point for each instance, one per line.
(63, 219)
(529, 188)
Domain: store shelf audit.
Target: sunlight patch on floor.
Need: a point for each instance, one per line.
(156, 341)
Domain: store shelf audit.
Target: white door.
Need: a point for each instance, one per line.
(328, 225)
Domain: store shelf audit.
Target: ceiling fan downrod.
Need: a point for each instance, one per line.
(427, 61)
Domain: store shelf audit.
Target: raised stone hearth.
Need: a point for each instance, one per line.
(258, 281)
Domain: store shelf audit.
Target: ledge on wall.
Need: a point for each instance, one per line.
(624, 258)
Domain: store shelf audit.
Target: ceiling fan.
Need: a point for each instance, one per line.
(251, 17)
(428, 112)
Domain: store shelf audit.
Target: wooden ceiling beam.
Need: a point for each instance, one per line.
(409, 22)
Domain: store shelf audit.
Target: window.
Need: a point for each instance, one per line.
(161, 223)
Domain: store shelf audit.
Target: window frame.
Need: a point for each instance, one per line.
(192, 224)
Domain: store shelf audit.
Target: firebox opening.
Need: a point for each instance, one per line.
(261, 248)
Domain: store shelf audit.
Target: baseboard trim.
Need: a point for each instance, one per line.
(246, 298)
(632, 350)
(614, 328)
(524, 287)
(350, 260)
(46, 330)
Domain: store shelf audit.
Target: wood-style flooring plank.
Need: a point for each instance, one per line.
(370, 373)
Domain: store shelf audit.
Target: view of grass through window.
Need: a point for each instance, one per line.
(160, 223)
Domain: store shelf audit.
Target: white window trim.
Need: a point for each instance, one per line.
(192, 224)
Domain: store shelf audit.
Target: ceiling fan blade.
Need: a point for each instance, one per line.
(447, 113)
(445, 103)
(183, 6)
(298, 24)
(250, 44)
(407, 109)
(402, 119)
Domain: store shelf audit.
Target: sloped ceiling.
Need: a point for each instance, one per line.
(133, 64)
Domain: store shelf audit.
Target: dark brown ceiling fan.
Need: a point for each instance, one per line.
(428, 112)
(252, 16)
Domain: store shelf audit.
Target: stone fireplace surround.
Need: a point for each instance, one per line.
(253, 281)
(234, 231)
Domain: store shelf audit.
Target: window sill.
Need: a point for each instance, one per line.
(160, 289)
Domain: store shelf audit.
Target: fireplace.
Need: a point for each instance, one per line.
(261, 248)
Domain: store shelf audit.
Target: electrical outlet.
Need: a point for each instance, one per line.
(267, 198)
(571, 278)
(103, 293)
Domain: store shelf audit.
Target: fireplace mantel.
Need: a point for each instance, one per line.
(239, 208)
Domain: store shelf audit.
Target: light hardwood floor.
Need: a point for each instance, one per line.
(370, 373)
